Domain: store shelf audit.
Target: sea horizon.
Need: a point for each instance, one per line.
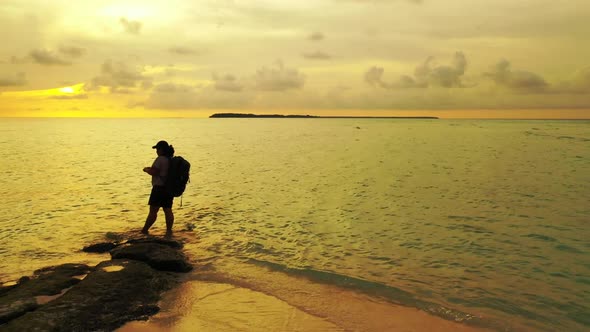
(433, 117)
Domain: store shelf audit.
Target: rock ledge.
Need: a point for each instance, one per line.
(76, 297)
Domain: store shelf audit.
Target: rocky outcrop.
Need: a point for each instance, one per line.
(125, 288)
(16, 308)
(158, 256)
(100, 247)
(167, 242)
(22, 297)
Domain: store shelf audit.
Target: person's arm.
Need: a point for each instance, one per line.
(152, 170)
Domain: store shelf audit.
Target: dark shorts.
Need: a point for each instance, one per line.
(159, 197)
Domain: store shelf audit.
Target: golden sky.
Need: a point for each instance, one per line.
(451, 58)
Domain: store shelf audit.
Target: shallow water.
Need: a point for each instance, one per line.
(483, 217)
(199, 306)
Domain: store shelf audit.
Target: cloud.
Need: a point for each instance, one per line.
(279, 78)
(406, 82)
(132, 27)
(174, 88)
(229, 91)
(449, 76)
(47, 58)
(72, 51)
(174, 96)
(66, 97)
(227, 83)
(316, 36)
(374, 77)
(182, 50)
(317, 55)
(425, 75)
(120, 78)
(578, 84)
(522, 81)
(18, 80)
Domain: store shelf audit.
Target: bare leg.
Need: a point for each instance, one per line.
(169, 220)
(151, 218)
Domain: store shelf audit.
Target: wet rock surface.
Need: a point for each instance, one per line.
(125, 288)
(21, 298)
(100, 247)
(158, 256)
(16, 308)
(167, 242)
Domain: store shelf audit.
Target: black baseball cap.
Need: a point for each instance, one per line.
(160, 144)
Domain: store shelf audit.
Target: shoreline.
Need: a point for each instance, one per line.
(213, 306)
(234, 294)
(230, 297)
(217, 294)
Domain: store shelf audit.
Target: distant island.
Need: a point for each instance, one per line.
(250, 115)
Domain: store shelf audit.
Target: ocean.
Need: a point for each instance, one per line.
(481, 217)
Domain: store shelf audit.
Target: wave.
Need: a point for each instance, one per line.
(532, 317)
(389, 293)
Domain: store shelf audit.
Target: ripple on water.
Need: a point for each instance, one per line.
(563, 247)
(469, 228)
(540, 237)
(483, 222)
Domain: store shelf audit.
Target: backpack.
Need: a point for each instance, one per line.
(178, 176)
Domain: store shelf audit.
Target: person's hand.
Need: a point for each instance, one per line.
(146, 169)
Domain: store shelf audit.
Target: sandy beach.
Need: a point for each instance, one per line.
(205, 306)
(254, 299)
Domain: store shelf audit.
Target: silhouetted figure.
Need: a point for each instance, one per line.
(159, 197)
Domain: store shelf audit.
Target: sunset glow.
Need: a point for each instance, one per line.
(457, 58)
(67, 89)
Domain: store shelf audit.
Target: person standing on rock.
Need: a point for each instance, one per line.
(159, 198)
